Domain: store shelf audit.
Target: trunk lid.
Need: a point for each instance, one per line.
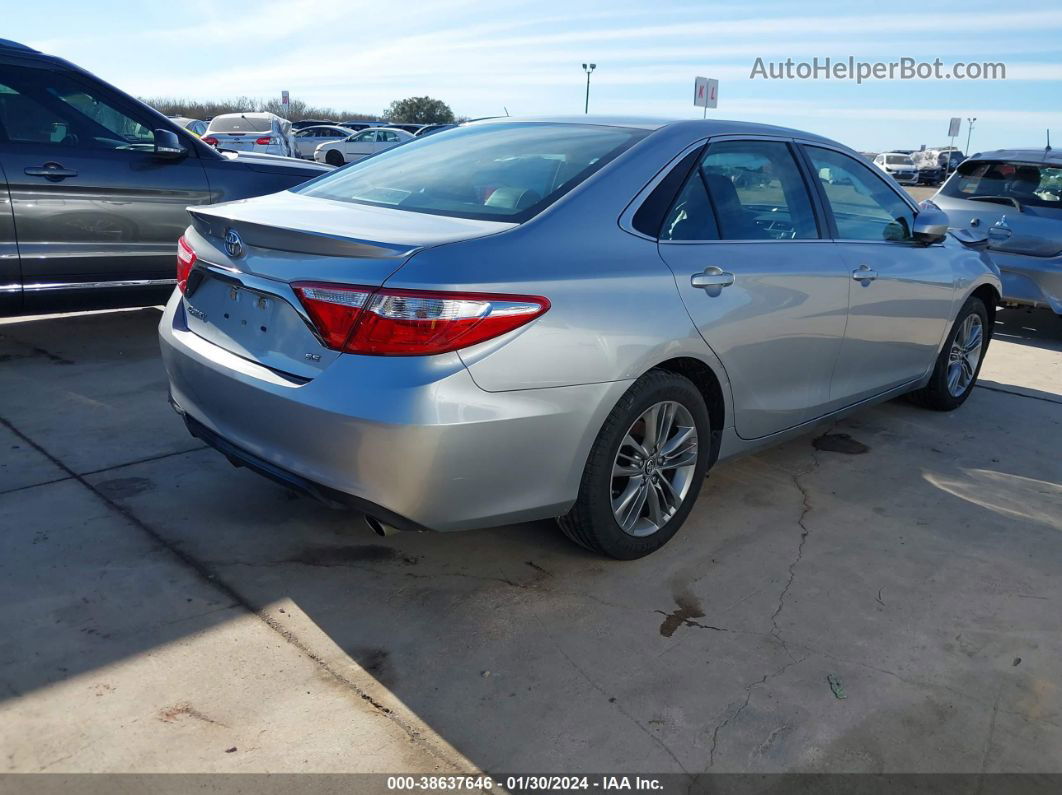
(241, 298)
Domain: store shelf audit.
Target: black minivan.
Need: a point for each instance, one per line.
(94, 186)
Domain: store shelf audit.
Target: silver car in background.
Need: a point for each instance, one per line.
(360, 145)
(898, 165)
(266, 133)
(309, 138)
(1015, 196)
(574, 319)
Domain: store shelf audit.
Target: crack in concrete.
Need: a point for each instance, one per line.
(748, 697)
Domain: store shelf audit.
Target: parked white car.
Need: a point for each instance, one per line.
(251, 132)
(898, 166)
(309, 138)
(360, 145)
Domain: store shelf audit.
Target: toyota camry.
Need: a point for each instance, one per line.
(515, 320)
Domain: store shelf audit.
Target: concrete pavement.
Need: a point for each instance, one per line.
(162, 608)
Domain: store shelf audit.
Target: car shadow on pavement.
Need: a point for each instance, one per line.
(914, 573)
(1039, 328)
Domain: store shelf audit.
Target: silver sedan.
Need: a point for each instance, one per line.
(549, 318)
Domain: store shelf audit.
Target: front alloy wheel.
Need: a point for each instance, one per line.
(965, 355)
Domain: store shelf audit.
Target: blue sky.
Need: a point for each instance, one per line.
(481, 57)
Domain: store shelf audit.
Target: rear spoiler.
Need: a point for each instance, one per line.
(298, 241)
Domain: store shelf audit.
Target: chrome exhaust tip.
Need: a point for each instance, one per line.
(378, 527)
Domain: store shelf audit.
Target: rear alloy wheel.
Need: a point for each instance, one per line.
(334, 158)
(959, 361)
(645, 469)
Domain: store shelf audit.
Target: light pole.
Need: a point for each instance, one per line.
(969, 132)
(588, 68)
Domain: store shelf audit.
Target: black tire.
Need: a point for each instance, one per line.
(591, 522)
(936, 395)
(334, 158)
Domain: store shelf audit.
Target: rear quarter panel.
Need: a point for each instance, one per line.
(615, 309)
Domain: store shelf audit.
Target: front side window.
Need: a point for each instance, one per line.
(864, 206)
(46, 107)
(507, 171)
(1005, 181)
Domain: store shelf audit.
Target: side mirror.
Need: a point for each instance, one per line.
(168, 145)
(930, 225)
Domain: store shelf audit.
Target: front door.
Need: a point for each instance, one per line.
(91, 203)
(901, 291)
(769, 295)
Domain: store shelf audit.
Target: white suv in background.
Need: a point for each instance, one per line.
(252, 132)
(898, 166)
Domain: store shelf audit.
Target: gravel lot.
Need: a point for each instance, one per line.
(166, 612)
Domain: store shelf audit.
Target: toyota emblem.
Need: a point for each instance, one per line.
(233, 244)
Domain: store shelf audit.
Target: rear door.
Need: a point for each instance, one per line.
(768, 293)
(901, 291)
(387, 139)
(10, 274)
(90, 201)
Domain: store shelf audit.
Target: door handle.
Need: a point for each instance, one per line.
(51, 170)
(864, 274)
(712, 277)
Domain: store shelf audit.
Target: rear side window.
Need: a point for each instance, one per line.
(757, 192)
(691, 217)
(743, 190)
(864, 206)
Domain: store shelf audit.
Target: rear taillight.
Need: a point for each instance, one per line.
(185, 260)
(210, 139)
(393, 322)
(265, 140)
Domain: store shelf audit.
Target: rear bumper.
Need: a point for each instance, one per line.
(1030, 281)
(411, 441)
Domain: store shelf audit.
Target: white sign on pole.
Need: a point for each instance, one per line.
(284, 98)
(705, 92)
(953, 128)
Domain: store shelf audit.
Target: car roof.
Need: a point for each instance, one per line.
(1045, 156)
(249, 115)
(14, 45)
(709, 127)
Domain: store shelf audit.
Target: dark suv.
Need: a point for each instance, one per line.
(94, 185)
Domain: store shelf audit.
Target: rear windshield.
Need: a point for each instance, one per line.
(224, 124)
(1002, 180)
(504, 172)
